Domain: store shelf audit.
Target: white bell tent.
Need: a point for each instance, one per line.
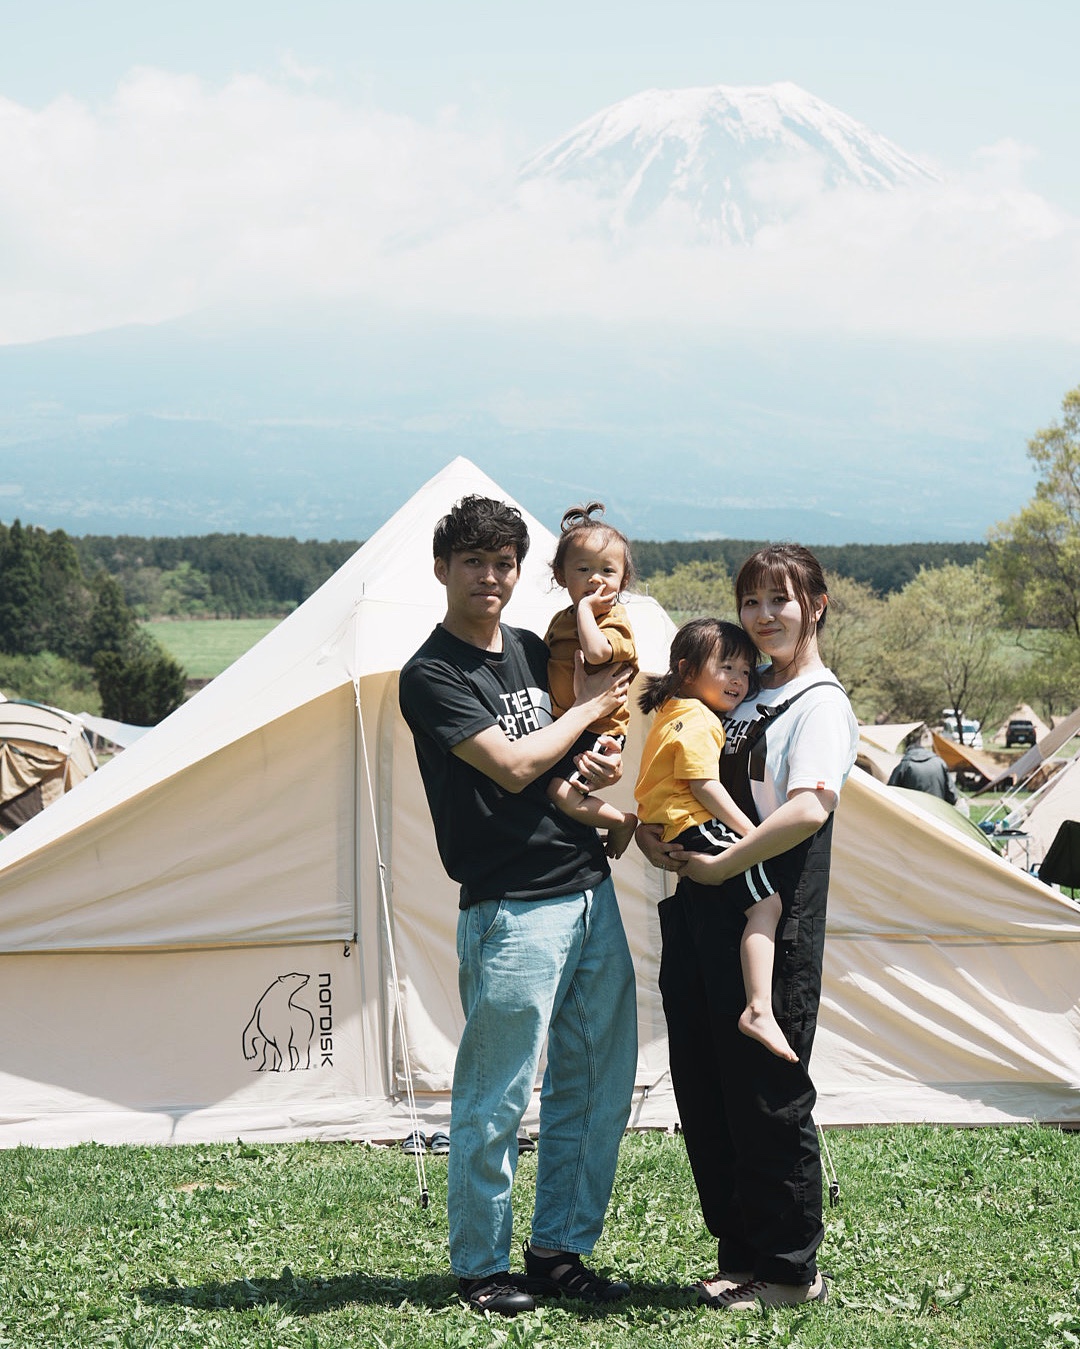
(239, 926)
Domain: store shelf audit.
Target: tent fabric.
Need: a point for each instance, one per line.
(197, 943)
(1041, 817)
(43, 753)
(877, 762)
(947, 814)
(963, 757)
(1023, 769)
(890, 735)
(119, 733)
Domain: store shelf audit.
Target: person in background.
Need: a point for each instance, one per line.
(924, 771)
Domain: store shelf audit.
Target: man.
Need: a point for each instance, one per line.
(541, 946)
(924, 771)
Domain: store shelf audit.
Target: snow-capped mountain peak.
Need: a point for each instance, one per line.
(734, 157)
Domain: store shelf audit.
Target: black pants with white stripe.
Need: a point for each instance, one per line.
(714, 837)
(746, 1114)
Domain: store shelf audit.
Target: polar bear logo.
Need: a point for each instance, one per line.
(280, 1029)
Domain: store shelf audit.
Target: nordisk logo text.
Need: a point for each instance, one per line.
(326, 1022)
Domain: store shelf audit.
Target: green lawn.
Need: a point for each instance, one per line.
(206, 647)
(944, 1238)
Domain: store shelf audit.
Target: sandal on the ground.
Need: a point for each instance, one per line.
(564, 1274)
(499, 1293)
(439, 1142)
(414, 1143)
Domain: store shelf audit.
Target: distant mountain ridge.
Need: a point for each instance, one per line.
(733, 158)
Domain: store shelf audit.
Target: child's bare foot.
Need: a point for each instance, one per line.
(763, 1026)
(618, 837)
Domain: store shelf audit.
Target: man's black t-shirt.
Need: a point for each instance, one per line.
(497, 844)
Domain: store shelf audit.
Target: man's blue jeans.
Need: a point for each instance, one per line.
(561, 968)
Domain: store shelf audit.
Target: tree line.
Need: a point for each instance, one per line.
(258, 576)
(912, 628)
(884, 567)
(213, 575)
(60, 629)
(978, 630)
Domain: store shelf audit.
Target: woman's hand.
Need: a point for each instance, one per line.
(703, 868)
(649, 839)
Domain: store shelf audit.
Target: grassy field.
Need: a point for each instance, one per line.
(205, 648)
(944, 1239)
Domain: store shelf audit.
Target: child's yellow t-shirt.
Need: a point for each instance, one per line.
(683, 745)
(562, 640)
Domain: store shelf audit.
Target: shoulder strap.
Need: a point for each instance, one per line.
(769, 714)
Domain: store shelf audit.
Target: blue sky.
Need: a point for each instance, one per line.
(230, 163)
(160, 159)
(942, 79)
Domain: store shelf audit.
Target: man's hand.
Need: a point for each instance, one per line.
(607, 689)
(603, 767)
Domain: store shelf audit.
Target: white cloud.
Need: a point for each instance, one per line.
(175, 196)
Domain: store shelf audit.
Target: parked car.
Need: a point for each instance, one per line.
(1019, 732)
(952, 722)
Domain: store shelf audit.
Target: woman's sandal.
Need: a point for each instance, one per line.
(564, 1274)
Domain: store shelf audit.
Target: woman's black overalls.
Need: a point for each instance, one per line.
(746, 1114)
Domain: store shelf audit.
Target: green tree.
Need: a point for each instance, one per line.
(851, 640)
(185, 592)
(1035, 556)
(140, 683)
(941, 646)
(695, 590)
(22, 626)
(112, 624)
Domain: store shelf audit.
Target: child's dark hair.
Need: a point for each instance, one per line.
(480, 522)
(694, 644)
(577, 523)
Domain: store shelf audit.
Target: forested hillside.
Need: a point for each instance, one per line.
(885, 567)
(71, 638)
(213, 575)
(256, 576)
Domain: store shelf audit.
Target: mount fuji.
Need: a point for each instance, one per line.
(727, 160)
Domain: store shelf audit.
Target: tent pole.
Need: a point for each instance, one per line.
(399, 1011)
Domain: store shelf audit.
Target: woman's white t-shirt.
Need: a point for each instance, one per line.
(812, 744)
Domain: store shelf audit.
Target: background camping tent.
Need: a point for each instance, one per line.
(878, 751)
(194, 944)
(43, 754)
(1042, 816)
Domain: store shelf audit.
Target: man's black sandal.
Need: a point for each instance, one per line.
(565, 1275)
(500, 1293)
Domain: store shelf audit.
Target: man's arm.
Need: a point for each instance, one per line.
(513, 764)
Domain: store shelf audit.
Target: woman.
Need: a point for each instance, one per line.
(746, 1113)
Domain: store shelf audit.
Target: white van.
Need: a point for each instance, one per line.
(951, 719)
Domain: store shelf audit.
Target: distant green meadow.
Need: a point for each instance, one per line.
(205, 647)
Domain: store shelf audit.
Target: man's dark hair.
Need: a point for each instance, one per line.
(480, 522)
